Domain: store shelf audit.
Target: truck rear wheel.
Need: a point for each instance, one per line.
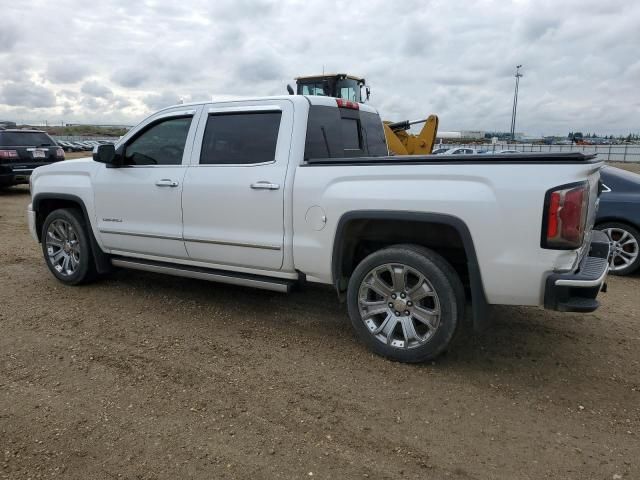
(406, 303)
(66, 247)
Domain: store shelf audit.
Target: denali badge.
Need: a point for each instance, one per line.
(119, 220)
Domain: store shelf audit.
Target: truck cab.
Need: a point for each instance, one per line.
(339, 85)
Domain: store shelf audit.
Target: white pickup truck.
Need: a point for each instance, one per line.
(275, 192)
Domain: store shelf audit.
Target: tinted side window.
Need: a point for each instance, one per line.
(161, 144)
(240, 138)
(335, 134)
(373, 134)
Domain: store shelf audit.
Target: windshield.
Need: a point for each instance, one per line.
(319, 89)
(25, 139)
(349, 90)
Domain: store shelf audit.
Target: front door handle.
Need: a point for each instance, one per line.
(166, 182)
(262, 185)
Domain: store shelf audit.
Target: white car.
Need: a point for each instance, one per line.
(277, 192)
(439, 151)
(461, 151)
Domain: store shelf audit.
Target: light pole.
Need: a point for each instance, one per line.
(515, 103)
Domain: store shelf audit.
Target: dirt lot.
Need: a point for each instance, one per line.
(147, 377)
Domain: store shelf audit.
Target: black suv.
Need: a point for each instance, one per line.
(21, 151)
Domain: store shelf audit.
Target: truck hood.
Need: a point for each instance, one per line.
(79, 165)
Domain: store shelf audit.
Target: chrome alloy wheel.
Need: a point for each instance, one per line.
(624, 248)
(63, 247)
(399, 306)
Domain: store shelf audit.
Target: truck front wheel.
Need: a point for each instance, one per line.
(405, 302)
(66, 247)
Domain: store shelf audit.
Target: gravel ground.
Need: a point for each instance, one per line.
(142, 376)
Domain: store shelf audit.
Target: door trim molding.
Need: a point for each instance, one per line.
(134, 234)
(234, 244)
(190, 239)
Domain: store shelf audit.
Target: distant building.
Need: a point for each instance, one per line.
(472, 134)
(475, 134)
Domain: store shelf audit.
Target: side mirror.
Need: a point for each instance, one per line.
(368, 90)
(290, 90)
(106, 154)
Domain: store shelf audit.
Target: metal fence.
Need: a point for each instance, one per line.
(609, 153)
(78, 138)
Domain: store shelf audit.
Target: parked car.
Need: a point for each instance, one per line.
(315, 197)
(21, 151)
(64, 145)
(439, 151)
(619, 218)
(509, 151)
(69, 146)
(461, 151)
(84, 145)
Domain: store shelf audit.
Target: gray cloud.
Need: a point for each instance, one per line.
(9, 35)
(130, 77)
(96, 89)
(455, 59)
(27, 94)
(66, 71)
(158, 101)
(260, 69)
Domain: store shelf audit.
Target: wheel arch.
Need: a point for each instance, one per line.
(45, 203)
(343, 249)
(615, 219)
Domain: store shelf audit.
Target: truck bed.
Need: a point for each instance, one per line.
(511, 159)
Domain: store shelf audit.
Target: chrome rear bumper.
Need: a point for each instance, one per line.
(577, 291)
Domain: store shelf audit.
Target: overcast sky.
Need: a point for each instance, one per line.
(115, 61)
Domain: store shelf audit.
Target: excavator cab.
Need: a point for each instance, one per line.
(339, 85)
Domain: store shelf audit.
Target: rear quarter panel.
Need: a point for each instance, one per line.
(501, 204)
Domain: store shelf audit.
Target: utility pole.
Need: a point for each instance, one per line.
(515, 103)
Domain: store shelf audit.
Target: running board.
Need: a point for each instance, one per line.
(233, 278)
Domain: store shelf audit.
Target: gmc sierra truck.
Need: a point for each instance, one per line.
(275, 192)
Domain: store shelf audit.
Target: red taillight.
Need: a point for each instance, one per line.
(8, 154)
(60, 153)
(566, 216)
(571, 215)
(552, 220)
(342, 103)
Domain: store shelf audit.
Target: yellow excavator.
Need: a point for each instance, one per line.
(355, 89)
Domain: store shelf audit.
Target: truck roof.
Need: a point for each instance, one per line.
(312, 99)
(325, 75)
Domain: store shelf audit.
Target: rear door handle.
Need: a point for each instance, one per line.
(166, 182)
(262, 185)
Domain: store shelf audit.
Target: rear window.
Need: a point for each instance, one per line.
(339, 133)
(25, 139)
(351, 134)
(240, 138)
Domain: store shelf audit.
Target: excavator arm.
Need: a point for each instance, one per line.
(401, 142)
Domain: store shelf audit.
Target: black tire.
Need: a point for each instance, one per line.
(442, 279)
(85, 270)
(618, 267)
